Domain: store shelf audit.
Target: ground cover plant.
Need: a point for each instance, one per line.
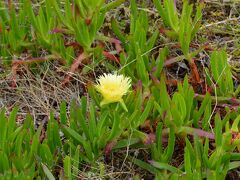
(122, 89)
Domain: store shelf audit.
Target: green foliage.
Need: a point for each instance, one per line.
(14, 29)
(29, 28)
(21, 150)
(179, 113)
(137, 45)
(17, 147)
(180, 110)
(94, 130)
(198, 163)
(89, 131)
(221, 73)
(183, 27)
(84, 21)
(158, 154)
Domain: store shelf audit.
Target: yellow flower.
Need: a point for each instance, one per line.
(113, 87)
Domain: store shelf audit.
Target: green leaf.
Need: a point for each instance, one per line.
(3, 129)
(165, 166)
(115, 128)
(83, 124)
(235, 125)
(206, 101)
(172, 15)
(4, 163)
(218, 130)
(92, 121)
(160, 62)
(146, 112)
(170, 148)
(197, 20)
(235, 156)
(101, 126)
(76, 161)
(46, 155)
(118, 33)
(152, 40)
(47, 172)
(73, 134)
(187, 161)
(162, 12)
(222, 73)
(34, 146)
(165, 99)
(63, 113)
(84, 105)
(159, 138)
(234, 165)
(19, 143)
(59, 14)
(206, 161)
(145, 166)
(141, 68)
(67, 168)
(185, 28)
(89, 152)
(12, 121)
(179, 104)
(126, 142)
(53, 139)
(15, 134)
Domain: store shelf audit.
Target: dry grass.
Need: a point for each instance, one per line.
(39, 90)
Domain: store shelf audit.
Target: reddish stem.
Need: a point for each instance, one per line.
(111, 57)
(73, 68)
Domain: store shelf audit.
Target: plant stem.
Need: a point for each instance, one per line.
(220, 99)
(199, 132)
